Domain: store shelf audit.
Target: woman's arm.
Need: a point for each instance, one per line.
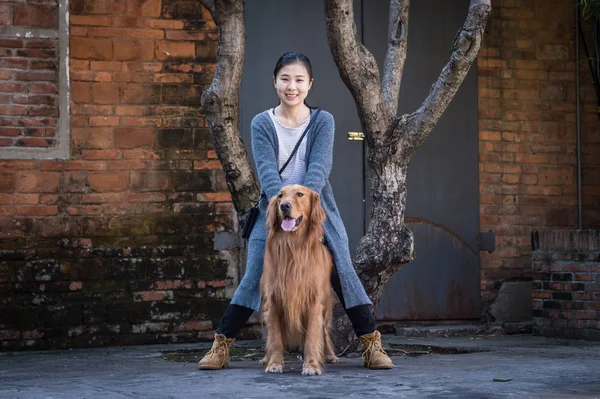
(321, 153)
(263, 149)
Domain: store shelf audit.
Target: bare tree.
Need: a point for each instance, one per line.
(391, 140)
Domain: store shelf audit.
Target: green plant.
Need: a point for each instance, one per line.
(590, 8)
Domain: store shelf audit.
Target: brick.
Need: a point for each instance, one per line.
(150, 181)
(128, 164)
(182, 94)
(145, 197)
(79, 64)
(40, 132)
(85, 165)
(163, 24)
(89, 20)
(104, 121)
(37, 182)
(144, 8)
(105, 66)
(105, 93)
(92, 138)
(166, 50)
(33, 99)
(132, 110)
(207, 165)
(46, 88)
(90, 109)
(140, 94)
(78, 31)
(134, 50)
(30, 15)
(102, 198)
(138, 122)
(142, 67)
(556, 176)
(13, 110)
(11, 87)
(91, 49)
(92, 76)
(173, 78)
(206, 51)
(100, 154)
(128, 21)
(98, 7)
(107, 181)
(214, 197)
(152, 296)
(19, 199)
(5, 14)
(132, 138)
(74, 182)
(185, 35)
(37, 210)
(10, 131)
(7, 182)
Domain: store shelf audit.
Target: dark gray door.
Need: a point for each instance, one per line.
(443, 208)
(443, 200)
(274, 27)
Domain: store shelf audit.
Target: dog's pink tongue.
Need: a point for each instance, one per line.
(288, 224)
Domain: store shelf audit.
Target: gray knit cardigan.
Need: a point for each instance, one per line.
(319, 154)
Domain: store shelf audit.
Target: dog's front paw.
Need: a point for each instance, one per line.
(308, 370)
(274, 368)
(331, 359)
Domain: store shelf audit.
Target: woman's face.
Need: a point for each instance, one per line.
(292, 84)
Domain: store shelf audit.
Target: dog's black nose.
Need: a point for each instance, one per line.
(285, 206)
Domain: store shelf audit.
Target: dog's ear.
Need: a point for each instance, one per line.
(272, 219)
(317, 214)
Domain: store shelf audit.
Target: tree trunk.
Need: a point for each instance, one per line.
(220, 103)
(391, 140)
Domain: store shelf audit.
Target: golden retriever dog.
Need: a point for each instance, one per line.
(295, 284)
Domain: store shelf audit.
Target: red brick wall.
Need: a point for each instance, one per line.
(115, 245)
(527, 133)
(566, 284)
(28, 77)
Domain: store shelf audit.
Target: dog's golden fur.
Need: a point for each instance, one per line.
(295, 284)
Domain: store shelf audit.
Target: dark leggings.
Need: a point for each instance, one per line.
(361, 317)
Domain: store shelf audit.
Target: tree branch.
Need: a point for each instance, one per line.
(393, 67)
(464, 51)
(357, 66)
(221, 106)
(209, 5)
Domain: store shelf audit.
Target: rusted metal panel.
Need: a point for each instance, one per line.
(442, 283)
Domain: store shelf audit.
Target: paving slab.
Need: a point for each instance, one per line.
(456, 367)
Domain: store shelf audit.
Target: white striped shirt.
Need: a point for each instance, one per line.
(287, 137)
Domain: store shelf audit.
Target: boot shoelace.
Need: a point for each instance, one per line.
(372, 346)
(220, 347)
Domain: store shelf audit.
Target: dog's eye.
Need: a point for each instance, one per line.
(280, 195)
(299, 194)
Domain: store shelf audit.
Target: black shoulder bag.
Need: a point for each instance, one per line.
(253, 212)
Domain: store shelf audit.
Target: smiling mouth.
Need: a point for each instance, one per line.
(288, 224)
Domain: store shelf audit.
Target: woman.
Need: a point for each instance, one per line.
(275, 133)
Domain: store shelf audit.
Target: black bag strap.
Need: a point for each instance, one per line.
(313, 118)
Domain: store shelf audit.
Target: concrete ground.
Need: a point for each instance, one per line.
(487, 367)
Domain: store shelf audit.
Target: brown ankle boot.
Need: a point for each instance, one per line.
(218, 356)
(373, 353)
